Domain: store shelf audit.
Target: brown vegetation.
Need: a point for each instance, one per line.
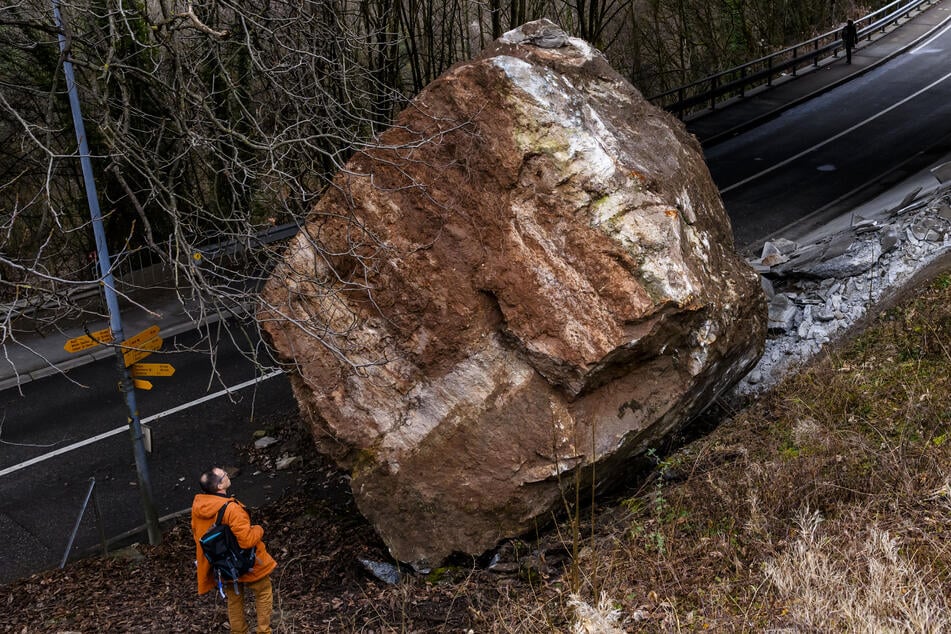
(825, 506)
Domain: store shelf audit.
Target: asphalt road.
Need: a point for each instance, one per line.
(827, 156)
(40, 503)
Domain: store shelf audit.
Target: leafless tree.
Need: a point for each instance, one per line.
(208, 124)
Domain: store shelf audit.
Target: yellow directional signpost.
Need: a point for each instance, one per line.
(141, 351)
(85, 342)
(136, 341)
(134, 349)
(145, 343)
(152, 369)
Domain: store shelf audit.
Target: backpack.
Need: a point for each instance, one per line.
(220, 547)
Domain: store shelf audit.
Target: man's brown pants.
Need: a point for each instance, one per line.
(263, 600)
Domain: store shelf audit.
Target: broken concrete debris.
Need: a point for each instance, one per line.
(820, 289)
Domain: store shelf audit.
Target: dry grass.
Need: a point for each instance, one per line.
(844, 583)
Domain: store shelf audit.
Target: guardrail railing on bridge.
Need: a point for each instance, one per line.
(706, 93)
(132, 268)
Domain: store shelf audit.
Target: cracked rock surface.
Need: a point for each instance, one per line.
(529, 280)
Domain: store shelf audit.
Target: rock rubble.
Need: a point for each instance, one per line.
(819, 289)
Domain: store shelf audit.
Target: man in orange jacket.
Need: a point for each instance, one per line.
(215, 484)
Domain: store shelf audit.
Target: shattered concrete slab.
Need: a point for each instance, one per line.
(818, 290)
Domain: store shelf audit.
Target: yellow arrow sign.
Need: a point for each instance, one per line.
(78, 344)
(136, 341)
(141, 384)
(153, 369)
(145, 349)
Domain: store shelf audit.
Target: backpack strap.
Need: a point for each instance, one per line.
(221, 512)
(217, 574)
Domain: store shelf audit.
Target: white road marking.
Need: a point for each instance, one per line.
(833, 138)
(149, 419)
(931, 39)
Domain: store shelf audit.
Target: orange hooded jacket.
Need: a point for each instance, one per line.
(204, 512)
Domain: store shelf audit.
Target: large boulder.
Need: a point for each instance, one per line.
(529, 280)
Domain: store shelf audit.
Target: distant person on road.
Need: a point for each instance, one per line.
(850, 38)
(215, 484)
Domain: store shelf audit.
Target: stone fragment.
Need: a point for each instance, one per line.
(527, 282)
(538, 33)
(784, 245)
(927, 230)
(804, 329)
(772, 255)
(286, 462)
(264, 442)
(782, 313)
(801, 258)
(863, 225)
(773, 259)
(889, 238)
(839, 245)
(912, 236)
(826, 287)
(858, 258)
(909, 198)
(385, 572)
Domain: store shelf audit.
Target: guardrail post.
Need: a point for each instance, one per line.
(769, 70)
(680, 102)
(795, 54)
(815, 57)
(714, 84)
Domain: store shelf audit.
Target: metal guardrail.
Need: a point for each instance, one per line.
(734, 82)
(128, 268)
(129, 262)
